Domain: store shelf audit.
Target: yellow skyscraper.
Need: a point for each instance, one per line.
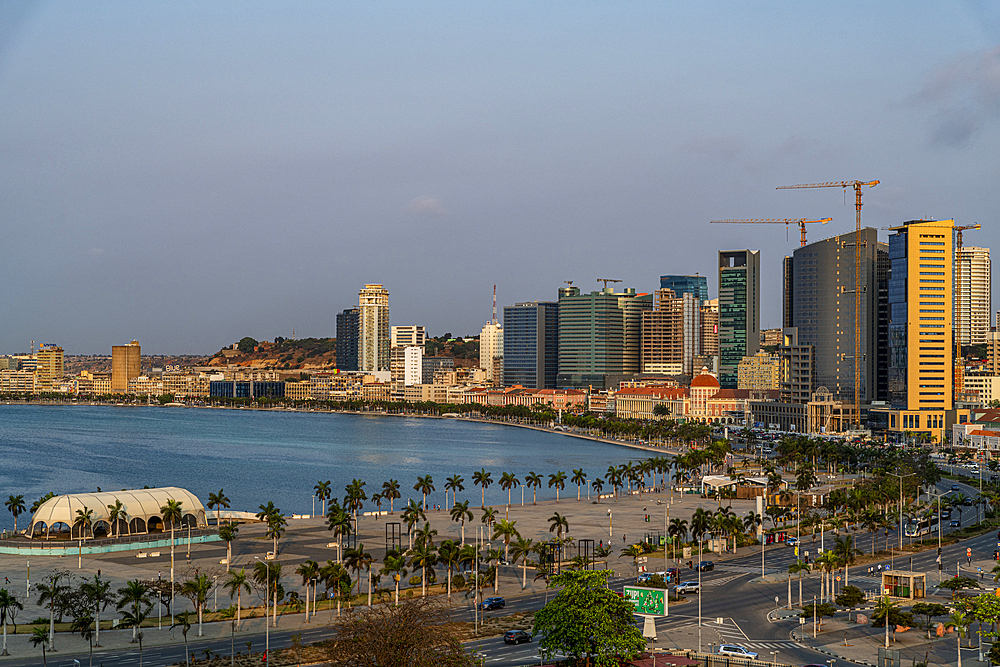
(125, 365)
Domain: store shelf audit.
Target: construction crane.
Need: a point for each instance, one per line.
(857, 185)
(568, 282)
(801, 222)
(607, 280)
(958, 296)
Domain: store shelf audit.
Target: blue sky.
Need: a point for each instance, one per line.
(190, 173)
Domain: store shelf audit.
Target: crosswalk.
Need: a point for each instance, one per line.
(722, 581)
(730, 633)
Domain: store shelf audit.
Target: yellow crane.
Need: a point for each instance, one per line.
(607, 280)
(958, 298)
(857, 186)
(801, 222)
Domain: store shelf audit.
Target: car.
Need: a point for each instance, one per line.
(492, 603)
(516, 637)
(705, 566)
(672, 574)
(954, 487)
(643, 578)
(687, 587)
(736, 650)
(792, 541)
(955, 523)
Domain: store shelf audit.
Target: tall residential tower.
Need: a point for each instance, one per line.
(373, 346)
(739, 311)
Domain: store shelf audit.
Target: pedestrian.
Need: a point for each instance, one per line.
(623, 538)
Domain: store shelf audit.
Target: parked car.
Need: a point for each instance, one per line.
(516, 637)
(705, 566)
(493, 603)
(736, 650)
(687, 587)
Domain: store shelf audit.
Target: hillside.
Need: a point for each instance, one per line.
(283, 353)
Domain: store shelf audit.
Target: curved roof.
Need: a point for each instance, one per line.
(139, 503)
(705, 380)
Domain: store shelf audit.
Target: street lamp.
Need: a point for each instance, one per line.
(611, 530)
(267, 597)
(774, 657)
(901, 477)
(940, 564)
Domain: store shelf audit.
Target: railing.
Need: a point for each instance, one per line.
(64, 547)
(180, 535)
(717, 660)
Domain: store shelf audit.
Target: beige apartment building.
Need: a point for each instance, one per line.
(49, 369)
(761, 371)
(17, 381)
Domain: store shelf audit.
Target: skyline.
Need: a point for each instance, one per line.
(189, 175)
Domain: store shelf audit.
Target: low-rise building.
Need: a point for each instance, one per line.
(641, 402)
(298, 391)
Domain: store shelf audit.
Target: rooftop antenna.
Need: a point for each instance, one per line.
(494, 321)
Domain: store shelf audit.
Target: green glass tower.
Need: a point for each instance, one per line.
(739, 311)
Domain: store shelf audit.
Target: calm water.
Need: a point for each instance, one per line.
(279, 456)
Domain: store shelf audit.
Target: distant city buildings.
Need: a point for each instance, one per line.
(973, 271)
(531, 344)
(348, 339)
(49, 368)
(696, 286)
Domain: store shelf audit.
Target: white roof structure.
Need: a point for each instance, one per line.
(142, 512)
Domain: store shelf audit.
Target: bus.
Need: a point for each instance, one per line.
(920, 526)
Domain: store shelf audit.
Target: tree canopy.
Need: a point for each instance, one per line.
(587, 620)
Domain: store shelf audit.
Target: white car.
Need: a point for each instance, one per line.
(687, 587)
(737, 651)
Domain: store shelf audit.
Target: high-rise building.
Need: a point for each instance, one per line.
(920, 325)
(50, 366)
(739, 311)
(125, 365)
(972, 302)
(697, 286)
(671, 333)
(761, 371)
(348, 339)
(405, 336)
(710, 328)
(788, 278)
(599, 335)
(374, 339)
(491, 350)
(531, 344)
(821, 293)
(413, 371)
(796, 368)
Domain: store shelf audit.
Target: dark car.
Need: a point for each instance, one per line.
(705, 566)
(673, 574)
(492, 603)
(516, 637)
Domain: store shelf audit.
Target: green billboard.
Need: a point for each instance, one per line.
(646, 600)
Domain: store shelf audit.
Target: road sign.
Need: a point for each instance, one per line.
(646, 600)
(642, 559)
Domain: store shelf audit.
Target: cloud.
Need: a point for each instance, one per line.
(965, 96)
(426, 205)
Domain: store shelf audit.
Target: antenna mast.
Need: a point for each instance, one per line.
(494, 303)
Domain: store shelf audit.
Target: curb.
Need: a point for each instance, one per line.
(828, 652)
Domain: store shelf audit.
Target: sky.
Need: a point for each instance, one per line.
(189, 173)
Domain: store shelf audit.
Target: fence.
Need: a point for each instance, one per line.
(716, 660)
(126, 543)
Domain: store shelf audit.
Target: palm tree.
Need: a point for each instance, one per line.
(116, 513)
(394, 564)
(800, 569)
(15, 505)
(579, 478)
(426, 535)
(533, 480)
(172, 513)
(8, 603)
(96, 591)
(461, 512)
(336, 576)
(633, 551)
(323, 492)
(846, 552)
(197, 590)
(51, 593)
(412, 515)
(423, 556)
(268, 574)
(522, 549)
(390, 490)
(85, 626)
(508, 481)
(358, 559)
(677, 530)
(309, 570)
(960, 621)
(506, 530)
(276, 528)
(489, 516)
(133, 597)
(338, 521)
(557, 480)
(448, 554)
(701, 522)
(355, 496)
(40, 636)
(424, 485)
(184, 621)
(598, 484)
(483, 479)
(217, 501)
(236, 583)
(557, 524)
(377, 501)
(454, 484)
(84, 521)
(227, 533)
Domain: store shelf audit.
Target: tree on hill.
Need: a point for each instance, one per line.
(246, 345)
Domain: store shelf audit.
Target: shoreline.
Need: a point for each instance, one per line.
(582, 436)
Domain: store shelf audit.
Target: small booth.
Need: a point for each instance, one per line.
(904, 585)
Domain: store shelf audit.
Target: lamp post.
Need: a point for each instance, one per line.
(267, 596)
(611, 527)
(901, 477)
(940, 564)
